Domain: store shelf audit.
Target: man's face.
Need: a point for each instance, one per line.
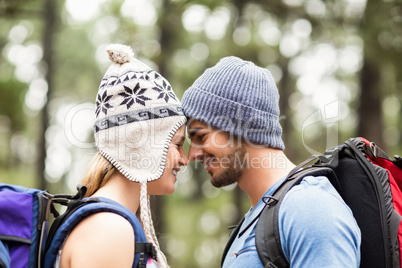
(218, 152)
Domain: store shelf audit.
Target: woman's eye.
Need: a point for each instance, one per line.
(178, 145)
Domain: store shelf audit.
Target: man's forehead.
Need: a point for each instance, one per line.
(195, 124)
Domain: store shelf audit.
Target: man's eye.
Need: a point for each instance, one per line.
(200, 137)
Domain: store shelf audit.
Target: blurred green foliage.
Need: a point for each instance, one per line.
(337, 66)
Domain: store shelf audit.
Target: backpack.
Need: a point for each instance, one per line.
(23, 225)
(369, 182)
(25, 238)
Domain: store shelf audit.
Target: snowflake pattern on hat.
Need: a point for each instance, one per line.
(134, 95)
(102, 103)
(165, 91)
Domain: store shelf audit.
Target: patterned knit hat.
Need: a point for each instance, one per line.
(137, 114)
(237, 97)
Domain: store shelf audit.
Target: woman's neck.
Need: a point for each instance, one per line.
(122, 190)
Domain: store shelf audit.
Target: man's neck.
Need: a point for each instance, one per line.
(265, 167)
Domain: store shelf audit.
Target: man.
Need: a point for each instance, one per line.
(233, 111)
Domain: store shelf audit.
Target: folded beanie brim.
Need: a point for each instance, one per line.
(253, 125)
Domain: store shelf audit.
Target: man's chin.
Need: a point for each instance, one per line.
(216, 184)
(219, 182)
(213, 178)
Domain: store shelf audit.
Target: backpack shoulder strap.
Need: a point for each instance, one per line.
(143, 249)
(85, 208)
(267, 237)
(5, 259)
(232, 237)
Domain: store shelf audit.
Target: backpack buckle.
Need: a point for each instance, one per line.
(373, 149)
(269, 200)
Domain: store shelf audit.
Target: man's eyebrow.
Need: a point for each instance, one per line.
(192, 131)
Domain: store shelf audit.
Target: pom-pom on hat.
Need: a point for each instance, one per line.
(137, 114)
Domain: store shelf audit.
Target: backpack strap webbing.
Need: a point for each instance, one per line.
(5, 260)
(267, 237)
(144, 249)
(237, 227)
(96, 205)
(232, 237)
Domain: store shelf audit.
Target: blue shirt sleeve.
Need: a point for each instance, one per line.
(317, 228)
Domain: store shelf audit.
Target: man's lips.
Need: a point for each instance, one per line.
(208, 162)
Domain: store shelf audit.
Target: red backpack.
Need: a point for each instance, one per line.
(369, 182)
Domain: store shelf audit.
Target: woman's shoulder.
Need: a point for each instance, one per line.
(92, 242)
(105, 224)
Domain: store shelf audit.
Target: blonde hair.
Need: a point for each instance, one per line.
(97, 174)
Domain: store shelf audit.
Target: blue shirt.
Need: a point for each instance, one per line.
(316, 227)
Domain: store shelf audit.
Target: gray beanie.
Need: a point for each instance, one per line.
(237, 97)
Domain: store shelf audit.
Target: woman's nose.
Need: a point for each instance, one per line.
(183, 159)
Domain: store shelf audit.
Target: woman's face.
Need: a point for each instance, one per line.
(175, 159)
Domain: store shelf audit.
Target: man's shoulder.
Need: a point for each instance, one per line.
(313, 215)
(314, 186)
(314, 197)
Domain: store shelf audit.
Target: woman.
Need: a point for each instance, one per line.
(139, 133)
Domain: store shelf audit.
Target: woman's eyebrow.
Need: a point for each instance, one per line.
(182, 139)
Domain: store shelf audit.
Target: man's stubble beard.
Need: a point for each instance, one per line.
(233, 170)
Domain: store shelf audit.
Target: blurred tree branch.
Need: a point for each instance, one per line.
(13, 9)
(50, 27)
